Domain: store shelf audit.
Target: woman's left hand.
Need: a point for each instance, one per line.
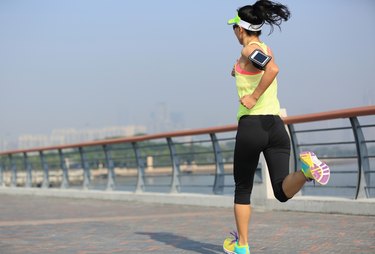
(248, 101)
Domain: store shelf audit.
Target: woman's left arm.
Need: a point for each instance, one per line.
(270, 72)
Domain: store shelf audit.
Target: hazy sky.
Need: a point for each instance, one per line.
(97, 63)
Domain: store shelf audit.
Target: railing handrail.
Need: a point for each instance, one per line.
(343, 113)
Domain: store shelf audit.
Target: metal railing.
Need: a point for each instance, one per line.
(199, 160)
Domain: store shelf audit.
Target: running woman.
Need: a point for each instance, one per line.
(260, 128)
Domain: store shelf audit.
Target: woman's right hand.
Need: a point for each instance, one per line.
(233, 73)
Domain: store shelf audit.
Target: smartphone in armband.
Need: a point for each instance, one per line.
(259, 59)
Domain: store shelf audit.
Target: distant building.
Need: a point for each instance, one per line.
(162, 120)
(7, 145)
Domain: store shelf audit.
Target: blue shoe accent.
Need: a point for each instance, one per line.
(241, 249)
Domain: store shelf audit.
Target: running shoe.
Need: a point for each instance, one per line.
(313, 168)
(230, 245)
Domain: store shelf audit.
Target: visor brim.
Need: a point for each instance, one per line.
(232, 21)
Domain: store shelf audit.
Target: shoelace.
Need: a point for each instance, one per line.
(310, 180)
(235, 235)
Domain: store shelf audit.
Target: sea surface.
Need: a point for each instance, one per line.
(343, 183)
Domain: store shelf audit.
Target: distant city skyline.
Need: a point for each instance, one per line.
(90, 64)
(71, 136)
(161, 120)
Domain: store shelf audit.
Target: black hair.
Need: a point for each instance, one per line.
(264, 11)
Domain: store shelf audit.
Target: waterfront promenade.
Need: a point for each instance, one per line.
(34, 224)
(90, 207)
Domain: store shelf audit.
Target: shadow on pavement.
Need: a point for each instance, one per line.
(183, 243)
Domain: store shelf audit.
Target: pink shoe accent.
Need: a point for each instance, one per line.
(321, 173)
(317, 169)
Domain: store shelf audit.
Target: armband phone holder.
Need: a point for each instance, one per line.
(259, 59)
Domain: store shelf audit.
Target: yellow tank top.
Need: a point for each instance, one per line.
(246, 82)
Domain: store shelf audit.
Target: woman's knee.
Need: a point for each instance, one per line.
(242, 195)
(279, 192)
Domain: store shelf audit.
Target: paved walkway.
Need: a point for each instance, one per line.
(31, 224)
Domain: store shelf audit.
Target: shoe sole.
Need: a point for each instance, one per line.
(319, 170)
(228, 252)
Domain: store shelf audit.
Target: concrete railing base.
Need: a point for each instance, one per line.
(299, 203)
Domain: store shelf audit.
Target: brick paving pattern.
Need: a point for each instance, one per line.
(31, 224)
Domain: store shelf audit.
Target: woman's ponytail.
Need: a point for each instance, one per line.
(265, 11)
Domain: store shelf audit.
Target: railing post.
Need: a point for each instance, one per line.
(64, 168)
(362, 158)
(111, 172)
(175, 184)
(218, 187)
(295, 149)
(141, 168)
(13, 168)
(45, 183)
(28, 169)
(86, 169)
(2, 168)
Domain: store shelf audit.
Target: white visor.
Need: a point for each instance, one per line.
(250, 27)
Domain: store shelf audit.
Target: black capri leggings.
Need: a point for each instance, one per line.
(256, 134)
